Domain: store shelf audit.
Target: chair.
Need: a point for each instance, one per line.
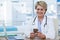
(2, 33)
(11, 31)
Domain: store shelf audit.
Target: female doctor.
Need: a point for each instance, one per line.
(43, 23)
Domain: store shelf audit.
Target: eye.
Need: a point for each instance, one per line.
(41, 9)
(38, 9)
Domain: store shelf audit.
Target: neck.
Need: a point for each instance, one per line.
(40, 18)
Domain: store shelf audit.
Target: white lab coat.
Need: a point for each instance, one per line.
(48, 30)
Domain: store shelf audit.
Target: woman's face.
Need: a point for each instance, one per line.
(40, 11)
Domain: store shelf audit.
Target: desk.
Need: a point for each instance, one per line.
(3, 38)
(37, 39)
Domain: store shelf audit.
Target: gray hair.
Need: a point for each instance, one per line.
(41, 3)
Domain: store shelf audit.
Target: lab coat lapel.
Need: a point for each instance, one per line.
(43, 23)
(36, 22)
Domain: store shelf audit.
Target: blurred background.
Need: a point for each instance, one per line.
(18, 14)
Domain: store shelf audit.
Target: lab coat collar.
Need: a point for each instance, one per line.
(43, 22)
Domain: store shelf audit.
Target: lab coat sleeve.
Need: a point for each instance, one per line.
(51, 30)
(28, 31)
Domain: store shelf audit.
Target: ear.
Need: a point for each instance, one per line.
(45, 9)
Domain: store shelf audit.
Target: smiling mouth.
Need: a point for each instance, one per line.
(40, 13)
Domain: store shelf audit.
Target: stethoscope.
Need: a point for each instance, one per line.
(35, 19)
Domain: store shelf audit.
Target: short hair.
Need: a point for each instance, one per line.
(41, 3)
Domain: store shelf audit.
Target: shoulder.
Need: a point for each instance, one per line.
(49, 19)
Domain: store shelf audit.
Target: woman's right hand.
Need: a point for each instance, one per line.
(32, 35)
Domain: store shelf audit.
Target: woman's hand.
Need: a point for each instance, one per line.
(32, 35)
(42, 36)
(38, 34)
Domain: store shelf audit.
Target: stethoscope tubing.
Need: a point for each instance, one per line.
(35, 19)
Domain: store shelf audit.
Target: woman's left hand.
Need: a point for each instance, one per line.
(42, 36)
